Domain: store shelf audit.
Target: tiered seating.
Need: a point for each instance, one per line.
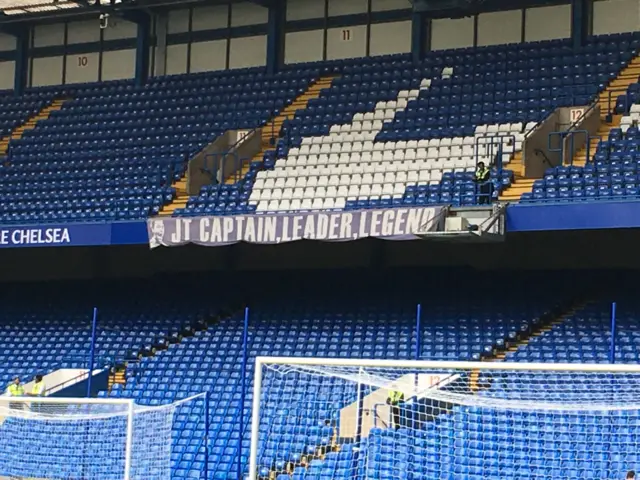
(113, 152)
(613, 173)
(41, 338)
(14, 111)
(390, 132)
(212, 360)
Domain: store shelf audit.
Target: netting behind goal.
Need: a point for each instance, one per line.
(86, 440)
(328, 422)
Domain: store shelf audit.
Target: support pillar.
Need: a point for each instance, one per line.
(275, 35)
(580, 21)
(142, 48)
(420, 35)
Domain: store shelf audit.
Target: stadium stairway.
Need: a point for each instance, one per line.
(31, 123)
(271, 131)
(520, 184)
(546, 325)
(118, 376)
(607, 102)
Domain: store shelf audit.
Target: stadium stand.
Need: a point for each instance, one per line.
(393, 133)
(340, 328)
(114, 150)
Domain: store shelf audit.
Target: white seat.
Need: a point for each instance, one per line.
(378, 178)
(295, 204)
(389, 114)
(346, 128)
(355, 158)
(343, 191)
(467, 151)
(424, 176)
(356, 126)
(387, 156)
(332, 191)
(379, 115)
(328, 204)
(334, 180)
(367, 126)
(421, 153)
(339, 204)
(324, 139)
(317, 203)
(365, 190)
(358, 117)
(425, 83)
(401, 177)
(390, 177)
(344, 159)
(356, 147)
(398, 189)
(285, 205)
(368, 117)
(354, 190)
(413, 178)
(274, 206)
(456, 151)
(298, 192)
(344, 180)
(306, 204)
(367, 178)
(410, 154)
(387, 189)
(366, 157)
(376, 189)
(309, 192)
(635, 108)
(376, 126)
(433, 152)
(262, 206)
(321, 192)
(315, 149)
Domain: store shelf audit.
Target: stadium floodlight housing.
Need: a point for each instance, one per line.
(455, 420)
(88, 438)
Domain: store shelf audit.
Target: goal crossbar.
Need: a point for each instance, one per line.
(464, 387)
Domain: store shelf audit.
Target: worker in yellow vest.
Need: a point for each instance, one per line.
(394, 400)
(15, 389)
(39, 388)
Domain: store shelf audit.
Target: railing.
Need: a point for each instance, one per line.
(571, 134)
(618, 91)
(490, 142)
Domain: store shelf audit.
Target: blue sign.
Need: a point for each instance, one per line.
(72, 235)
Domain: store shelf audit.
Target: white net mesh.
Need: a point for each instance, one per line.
(332, 422)
(72, 440)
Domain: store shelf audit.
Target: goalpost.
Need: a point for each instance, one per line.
(337, 418)
(88, 438)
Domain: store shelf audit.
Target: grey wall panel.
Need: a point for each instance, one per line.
(7, 42)
(82, 68)
(178, 21)
(389, 38)
(48, 35)
(547, 23)
(616, 16)
(176, 59)
(211, 17)
(7, 72)
(347, 7)
(498, 28)
(248, 52)
(119, 29)
(246, 13)
(118, 64)
(384, 5)
(87, 31)
(304, 9)
(46, 71)
(207, 56)
(451, 33)
(302, 47)
(347, 42)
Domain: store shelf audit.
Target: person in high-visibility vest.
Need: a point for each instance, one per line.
(15, 389)
(395, 398)
(39, 388)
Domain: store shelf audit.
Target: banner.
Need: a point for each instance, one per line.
(73, 235)
(391, 224)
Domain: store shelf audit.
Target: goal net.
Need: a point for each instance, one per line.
(89, 439)
(344, 419)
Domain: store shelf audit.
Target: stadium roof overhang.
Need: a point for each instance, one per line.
(16, 11)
